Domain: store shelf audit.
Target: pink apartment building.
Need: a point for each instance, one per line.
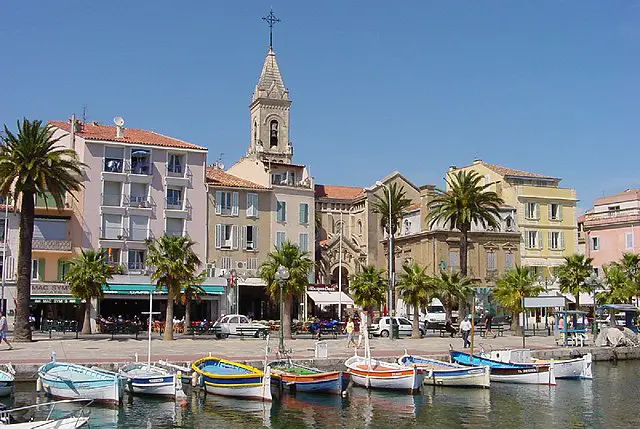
(612, 227)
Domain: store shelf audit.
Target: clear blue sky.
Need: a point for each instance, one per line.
(546, 86)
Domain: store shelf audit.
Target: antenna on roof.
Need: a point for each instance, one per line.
(219, 163)
(84, 113)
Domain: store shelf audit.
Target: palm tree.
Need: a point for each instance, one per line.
(512, 287)
(572, 275)
(299, 265)
(416, 289)
(32, 165)
(465, 203)
(368, 287)
(452, 289)
(88, 272)
(630, 266)
(620, 288)
(176, 265)
(191, 292)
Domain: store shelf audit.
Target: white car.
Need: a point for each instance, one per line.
(381, 326)
(237, 324)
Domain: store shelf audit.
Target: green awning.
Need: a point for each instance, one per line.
(132, 289)
(54, 299)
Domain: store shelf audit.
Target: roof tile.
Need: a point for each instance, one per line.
(504, 171)
(338, 192)
(215, 176)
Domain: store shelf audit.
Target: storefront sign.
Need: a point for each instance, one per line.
(50, 289)
(322, 288)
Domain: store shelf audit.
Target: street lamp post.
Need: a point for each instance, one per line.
(282, 274)
(391, 250)
(594, 282)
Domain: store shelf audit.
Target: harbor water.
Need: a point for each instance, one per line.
(607, 401)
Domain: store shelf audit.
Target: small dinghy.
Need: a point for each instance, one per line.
(15, 418)
(501, 372)
(71, 381)
(228, 378)
(7, 381)
(578, 368)
(150, 380)
(299, 378)
(448, 374)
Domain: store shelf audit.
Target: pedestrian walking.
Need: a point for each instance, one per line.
(350, 329)
(488, 319)
(465, 330)
(4, 330)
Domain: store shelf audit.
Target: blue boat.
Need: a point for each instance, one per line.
(448, 374)
(7, 381)
(228, 378)
(501, 372)
(299, 378)
(71, 381)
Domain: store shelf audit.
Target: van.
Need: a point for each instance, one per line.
(434, 316)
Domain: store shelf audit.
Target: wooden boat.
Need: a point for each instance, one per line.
(299, 378)
(228, 378)
(13, 418)
(448, 374)
(372, 373)
(71, 381)
(501, 372)
(7, 381)
(578, 368)
(150, 380)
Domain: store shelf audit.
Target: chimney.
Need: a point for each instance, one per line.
(119, 131)
(452, 167)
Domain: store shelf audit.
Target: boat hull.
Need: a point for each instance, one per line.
(227, 378)
(69, 381)
(579, 368)
(374, 374)
(330, 382)
(7, 387)
(66, 423)
(149, 380)
(446, 374)
(501, 372)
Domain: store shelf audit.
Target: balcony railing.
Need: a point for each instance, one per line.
(59, 245)
(139, 201)
(139, 233)
(113, 233)
(177, 232)
(112, 200)
(174, 203)
(612, 215)
(143, 168)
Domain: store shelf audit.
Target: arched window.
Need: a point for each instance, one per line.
(359, 226)
(255, 132)
(273, 134)
(509, 223)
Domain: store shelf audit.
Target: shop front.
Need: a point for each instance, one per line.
(326, 299)
(53, 301)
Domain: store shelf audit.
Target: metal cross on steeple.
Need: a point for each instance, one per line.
(271, 19)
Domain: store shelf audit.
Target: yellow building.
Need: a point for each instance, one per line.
(545, 213)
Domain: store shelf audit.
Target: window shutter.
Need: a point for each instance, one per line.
(234, 206)
(255, 205)
(60, 269)
(540, 238)
(562, 239)
(218, 236)
(244, 237)
(301, 213)
(559, 211)
(536, 211)
(551, 240)
(550, 210)
(234, 236)
(218, 202)
(41, 269)
(255, 238)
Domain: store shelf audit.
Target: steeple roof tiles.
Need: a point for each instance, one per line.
(270, 85)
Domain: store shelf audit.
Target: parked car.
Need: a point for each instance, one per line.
(237, 324)
(381, 326)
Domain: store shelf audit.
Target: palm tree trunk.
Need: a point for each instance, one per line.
(464, 248)
(187, 313)
(416, 322)
(168, 323)
(86, 324)
(286, 317)
(22, 327)
(515, 321)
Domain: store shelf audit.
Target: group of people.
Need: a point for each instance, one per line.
(465, 328)
(351, 333)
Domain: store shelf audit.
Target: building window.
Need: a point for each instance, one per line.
(174, 198)
(281, 237)
(555, 212)
(281, 215)
(359, 226)
(628, 239)
(252, 205)
(227, 203)
(533, 240)
(304, 213)
(250, 237)
(596, 271)
(252, 263)
(176, 163)
(226, 237)
(140, 161)
(491, 262)
(112, 227)
(225, 262)
(510, 224)
(136, 260)
(556, 240)
(113, 159)
(139, 228)
(283, 178)
(595, 243)
(406, 225)
(304, 242)
(255, 132)
(531, 211)
(139, 196)
(112, 194)
(112, 256)
(175, 226)
(454, 263)
(273, 134)
(35, 269)
(508, 260)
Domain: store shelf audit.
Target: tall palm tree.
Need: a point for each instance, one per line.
(629, 264)
(466, 202)
(512, 287)
(32, 165)
(453, 289)
(299, 264)
(620, 288)
(368, 287)
(87, 273)
(175, 267)
(572, 275)
(416, 289)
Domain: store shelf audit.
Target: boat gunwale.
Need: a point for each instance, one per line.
(255, 372)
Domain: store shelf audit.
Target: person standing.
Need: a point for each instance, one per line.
(350, 329)
(487, 325)
(4, 330)
(465, 330)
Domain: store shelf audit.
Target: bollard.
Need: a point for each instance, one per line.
(53, 356)
(38, 385)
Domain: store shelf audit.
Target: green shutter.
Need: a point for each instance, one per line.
(41, 271)
(60, 269)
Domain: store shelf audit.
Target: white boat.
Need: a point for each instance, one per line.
(150, 380)
(7, 381)
(71, 381)
(578, 368)
(505, 372)
(14, 418)
(440, 373)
